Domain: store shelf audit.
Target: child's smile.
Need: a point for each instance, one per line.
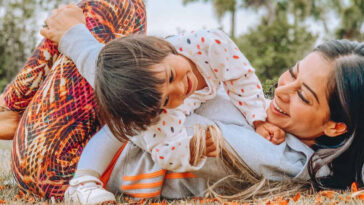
(180, 80)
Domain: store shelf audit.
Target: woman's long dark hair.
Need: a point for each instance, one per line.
(344, 154)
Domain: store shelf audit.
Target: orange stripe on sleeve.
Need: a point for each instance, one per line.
(145, 176)
(106, 175)
(180, 175)
(144, 195)
(142, 186)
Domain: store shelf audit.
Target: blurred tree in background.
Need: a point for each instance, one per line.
(351, 15)
(283, 35)
(18, 33)
(222, 7)
(276, 44)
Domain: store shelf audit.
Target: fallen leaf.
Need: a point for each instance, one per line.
(318, 199)
(354, 187)
(360, 196)
(328, 194)
(283, 202)
(333, 203)
(231, 203)
(342, 198)
(296, 197)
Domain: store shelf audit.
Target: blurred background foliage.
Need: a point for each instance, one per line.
(281, 38)
(18, 33)
(283, 35)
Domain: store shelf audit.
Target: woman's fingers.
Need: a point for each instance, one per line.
(62, 6)
(61, 21)
(46, 33)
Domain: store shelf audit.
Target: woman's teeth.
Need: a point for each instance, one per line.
(278, 108)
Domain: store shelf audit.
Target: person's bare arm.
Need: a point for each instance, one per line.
(9, 121)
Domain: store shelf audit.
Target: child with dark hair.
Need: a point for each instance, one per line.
(146, 86)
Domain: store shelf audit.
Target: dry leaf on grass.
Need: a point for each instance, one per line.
(296, 197)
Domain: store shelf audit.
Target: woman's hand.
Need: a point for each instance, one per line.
(61, 20)
(9, 121)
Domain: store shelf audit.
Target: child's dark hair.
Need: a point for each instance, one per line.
(127, 90)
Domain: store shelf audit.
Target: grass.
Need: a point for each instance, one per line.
(9, 193)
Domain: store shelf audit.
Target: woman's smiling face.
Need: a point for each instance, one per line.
(300, 104)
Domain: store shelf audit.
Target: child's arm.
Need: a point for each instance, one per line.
(242, 85)
(68, 29)
(219, 60)
(239, 79)
(79, 45)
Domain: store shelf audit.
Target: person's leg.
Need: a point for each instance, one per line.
(62, 115)
(86, 186)
(98, 153)
(106, 19)
(20, 91)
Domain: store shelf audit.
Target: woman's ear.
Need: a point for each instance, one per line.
(333, 129)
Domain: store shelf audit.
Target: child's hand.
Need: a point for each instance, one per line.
(211, 150)
(270, 132)
(61, 20)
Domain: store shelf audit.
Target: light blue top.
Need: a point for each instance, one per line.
(275, 162)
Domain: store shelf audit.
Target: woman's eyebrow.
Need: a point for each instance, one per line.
(308, 88)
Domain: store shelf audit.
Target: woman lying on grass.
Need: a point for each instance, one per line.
(312, 101)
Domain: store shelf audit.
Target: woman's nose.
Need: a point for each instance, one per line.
(283, 92)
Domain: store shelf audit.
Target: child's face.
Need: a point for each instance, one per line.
(180, 80)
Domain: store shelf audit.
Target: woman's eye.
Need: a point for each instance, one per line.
(299, 93)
